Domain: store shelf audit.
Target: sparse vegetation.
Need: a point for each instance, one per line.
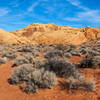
(29, 57)
(39, 62)
(41, 71)
(53, 53)
(42, 78)
(8, 53)
(75, 53)
(24, 49)
(3, 60)
(61, 47)
(68, 55)
(20, 73)
(33, 78)
(36, 53)
(90, 62)
(88, 85)
(20, 60)
(63, 68)
(30, 87)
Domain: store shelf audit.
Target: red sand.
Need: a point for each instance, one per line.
(59, 92)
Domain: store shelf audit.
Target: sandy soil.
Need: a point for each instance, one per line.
(59, 92)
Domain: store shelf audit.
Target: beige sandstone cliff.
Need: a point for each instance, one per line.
(50, 33)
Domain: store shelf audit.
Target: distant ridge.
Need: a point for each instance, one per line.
(50, 33)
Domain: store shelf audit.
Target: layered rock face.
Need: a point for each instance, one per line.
(7, 37)
(92, 33)
(51, 33)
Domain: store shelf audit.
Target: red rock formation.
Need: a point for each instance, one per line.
(51, 33)
(7, 37)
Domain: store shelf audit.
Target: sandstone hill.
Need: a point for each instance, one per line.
(7, 37)
(50, 33)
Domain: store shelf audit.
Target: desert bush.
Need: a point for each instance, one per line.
(60, 46)
(93, 52)
(73, 84)
(35, 53)
(75, 53)
(39, 49)
(67, 55)
(20, 73)
(33, 78)
(3, 60)
(42, 45)
(72, 46)
(5, 51)
(30, 87)
(24, 49)
(96, 62)
(48, 49)
(20, 60)
(88, 85)
(29, 57)
(86, 62)
(63, 68)
(51, 45)
(8, 53)
(83, 51)
(90, 62)
(90, 51)
(42, 78)
(53, 53)
(39, 62)
(48, 80)
(97, 49)
(66, 51)
(11, 56)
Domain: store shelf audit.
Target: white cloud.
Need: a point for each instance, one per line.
(31, 8)
(4, 11)
(87, 14)
(92, 16)
(78, 4)
(74, 2)
(14, 3)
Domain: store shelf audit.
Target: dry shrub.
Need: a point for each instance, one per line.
(61, 46)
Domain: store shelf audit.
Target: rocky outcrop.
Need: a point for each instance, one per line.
(7, 37)
(92, 33)
(51, 33)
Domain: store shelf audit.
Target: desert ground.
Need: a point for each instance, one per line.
(49, 62)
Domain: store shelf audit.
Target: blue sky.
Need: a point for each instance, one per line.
(17, 14)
